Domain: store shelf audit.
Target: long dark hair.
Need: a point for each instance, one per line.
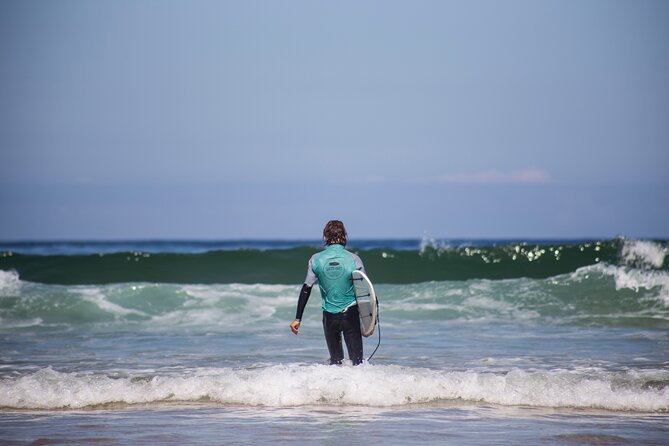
(334, 232)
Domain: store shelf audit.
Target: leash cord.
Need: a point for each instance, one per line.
(378, 327)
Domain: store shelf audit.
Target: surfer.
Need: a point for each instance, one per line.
(332, 269)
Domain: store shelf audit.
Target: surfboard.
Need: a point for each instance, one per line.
(367, 302)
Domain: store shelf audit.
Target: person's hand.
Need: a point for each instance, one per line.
(294, 326)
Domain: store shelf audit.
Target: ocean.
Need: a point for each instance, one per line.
(505, 342)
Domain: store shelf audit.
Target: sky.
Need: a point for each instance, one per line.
(264, 119)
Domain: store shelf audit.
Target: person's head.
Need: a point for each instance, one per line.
(334, 232)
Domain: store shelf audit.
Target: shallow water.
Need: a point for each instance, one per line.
(454, 424)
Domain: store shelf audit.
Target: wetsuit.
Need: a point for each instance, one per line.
(332, 270)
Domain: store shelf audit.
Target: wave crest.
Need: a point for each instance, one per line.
(432, 261)
(643, 254)
(10, 284)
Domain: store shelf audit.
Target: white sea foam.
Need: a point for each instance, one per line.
(164, 306)
(643, 253)
(630, 278)
(22, 323)
(367, 385)
(96, 296)
(159, 305)
(10, 283)
(222, 304)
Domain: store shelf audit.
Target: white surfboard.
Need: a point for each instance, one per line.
(367, 303)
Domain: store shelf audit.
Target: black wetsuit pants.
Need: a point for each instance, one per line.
(348, 324)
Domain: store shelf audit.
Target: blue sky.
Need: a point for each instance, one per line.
(264, 119)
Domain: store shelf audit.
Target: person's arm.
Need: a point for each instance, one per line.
(358, 263)
(309, 282)
(301, 304)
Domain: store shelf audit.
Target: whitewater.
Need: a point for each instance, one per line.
(554, 342)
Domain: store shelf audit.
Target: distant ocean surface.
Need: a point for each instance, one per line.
(552, 342)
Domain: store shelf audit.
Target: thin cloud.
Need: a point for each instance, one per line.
(526, 176)
(492, 176)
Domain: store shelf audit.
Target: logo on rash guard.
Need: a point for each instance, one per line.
(333, 270)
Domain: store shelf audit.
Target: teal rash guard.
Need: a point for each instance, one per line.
(332, 269)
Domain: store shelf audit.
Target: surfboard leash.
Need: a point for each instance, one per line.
(378, 328)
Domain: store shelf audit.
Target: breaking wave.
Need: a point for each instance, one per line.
(599, 294)
(367, 385)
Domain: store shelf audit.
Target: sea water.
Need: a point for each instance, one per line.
(481, 342)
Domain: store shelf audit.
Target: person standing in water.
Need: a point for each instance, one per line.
(332, 269)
